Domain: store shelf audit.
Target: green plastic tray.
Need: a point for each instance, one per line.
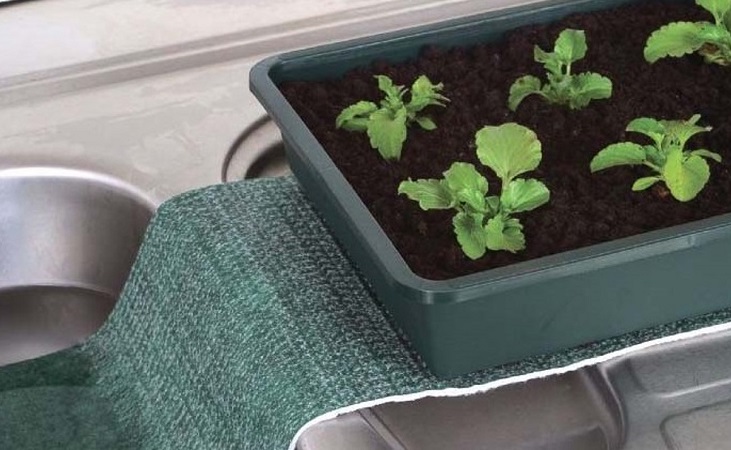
(497, 316)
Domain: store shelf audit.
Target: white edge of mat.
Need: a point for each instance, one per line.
(459, 392)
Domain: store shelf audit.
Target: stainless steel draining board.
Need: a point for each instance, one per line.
(675, 396)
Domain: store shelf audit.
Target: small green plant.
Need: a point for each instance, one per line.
(486, 222)
(387, 122)
(563, 87)
(684, 172)
(712, 40)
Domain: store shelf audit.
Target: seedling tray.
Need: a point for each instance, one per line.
(500, 315)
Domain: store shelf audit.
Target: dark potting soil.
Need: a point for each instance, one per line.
(585, 208)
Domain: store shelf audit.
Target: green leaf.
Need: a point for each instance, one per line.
(542, 56)
(426, 123)
(713, 34)
(570, 45)
(654, 155)
(623, 153)
(649, 127)
(719, 8)
(685, 177)
(423, 87)
(355, 117)
(674, 39)
(470, 233)
(504, 235)
(682, 130)
(431, 194)
(387, 132)
(644, 183)
(588, 86)
(386, 85)
(707, 154)
(467, 185)
(550, 61)
(521, 88)
(425, 93)
(509, 150)
(356, 124)
(524, 195)
(493, 204)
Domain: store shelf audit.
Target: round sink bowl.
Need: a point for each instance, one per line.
(68, 239)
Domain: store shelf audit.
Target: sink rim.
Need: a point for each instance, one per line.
(59, 172)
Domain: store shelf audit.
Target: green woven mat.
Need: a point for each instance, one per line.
(241, 322)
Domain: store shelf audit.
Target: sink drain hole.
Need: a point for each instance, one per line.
(258, 152)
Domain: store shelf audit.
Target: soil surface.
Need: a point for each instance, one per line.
(585, 209)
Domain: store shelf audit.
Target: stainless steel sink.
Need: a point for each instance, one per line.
(574, 411)
(68, 239)
(674, 396)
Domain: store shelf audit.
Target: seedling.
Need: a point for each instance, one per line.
(684, 172)
(387, 122)
(712, 40)
(486, 222)
(563, 87)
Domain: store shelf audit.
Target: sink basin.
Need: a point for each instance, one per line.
(68, 239)
(572, 411)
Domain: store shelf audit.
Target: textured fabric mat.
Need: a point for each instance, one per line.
(241, 322)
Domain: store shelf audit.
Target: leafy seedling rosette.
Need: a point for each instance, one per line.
(543, 305)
